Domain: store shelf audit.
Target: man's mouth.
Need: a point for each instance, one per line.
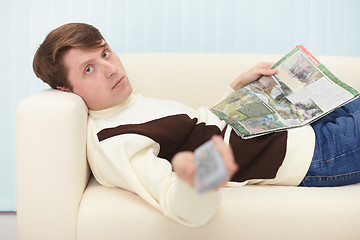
(118, 82)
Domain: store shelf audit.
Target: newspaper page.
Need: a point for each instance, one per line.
(302, 91)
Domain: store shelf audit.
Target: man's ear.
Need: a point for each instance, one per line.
(64, 89)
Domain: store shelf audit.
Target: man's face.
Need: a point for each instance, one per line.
(97, 76)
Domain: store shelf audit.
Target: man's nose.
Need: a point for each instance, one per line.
(109, 69)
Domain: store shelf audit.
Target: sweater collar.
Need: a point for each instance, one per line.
(109, 112)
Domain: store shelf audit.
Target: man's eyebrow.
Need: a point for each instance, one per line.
(83, 64)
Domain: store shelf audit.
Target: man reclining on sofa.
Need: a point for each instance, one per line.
(146, 145)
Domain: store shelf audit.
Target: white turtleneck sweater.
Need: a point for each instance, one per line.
(130, 160)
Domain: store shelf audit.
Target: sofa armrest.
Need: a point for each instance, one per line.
(52, 170)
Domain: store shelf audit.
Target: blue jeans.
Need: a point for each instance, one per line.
(336, 159)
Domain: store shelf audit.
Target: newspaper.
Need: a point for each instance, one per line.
(302, 91)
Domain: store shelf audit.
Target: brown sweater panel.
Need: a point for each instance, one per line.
(257, 158)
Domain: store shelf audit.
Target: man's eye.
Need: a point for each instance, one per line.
(106, 54)
(89, 69)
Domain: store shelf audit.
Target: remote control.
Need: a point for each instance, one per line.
(210, 169)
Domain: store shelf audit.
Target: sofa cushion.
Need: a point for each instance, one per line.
(250, 212)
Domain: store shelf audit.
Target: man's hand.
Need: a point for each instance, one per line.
(253, 74)
(184, 162)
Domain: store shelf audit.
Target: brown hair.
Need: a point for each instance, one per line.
(48, 64)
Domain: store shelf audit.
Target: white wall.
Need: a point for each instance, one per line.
(8, 226)
(236, 26)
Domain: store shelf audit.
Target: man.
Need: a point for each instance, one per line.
(146, 145)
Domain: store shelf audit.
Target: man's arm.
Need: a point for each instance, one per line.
(253, 74)
(130, 161)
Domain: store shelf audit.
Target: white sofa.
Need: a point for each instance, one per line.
(57, 198)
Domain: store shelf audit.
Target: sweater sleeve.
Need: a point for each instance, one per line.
(130, 161)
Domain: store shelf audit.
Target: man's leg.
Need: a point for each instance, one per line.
(336, 159)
